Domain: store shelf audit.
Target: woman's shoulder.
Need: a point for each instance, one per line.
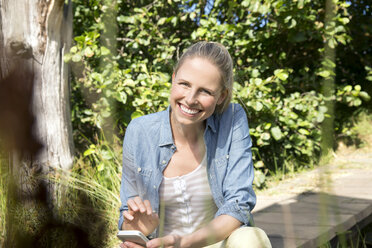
(148, 122)
(232, 109)
(233, 116)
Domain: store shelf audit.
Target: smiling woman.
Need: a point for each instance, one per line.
(196, 91)
(187, 171)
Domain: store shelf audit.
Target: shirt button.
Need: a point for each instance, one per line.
(227, 156)
(163, 162)
(154, 186)
(139, 169)
(173, 147)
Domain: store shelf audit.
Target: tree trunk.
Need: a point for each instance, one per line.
(37, 33)
(34, 36)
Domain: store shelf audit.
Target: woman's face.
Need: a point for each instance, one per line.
(196, 90)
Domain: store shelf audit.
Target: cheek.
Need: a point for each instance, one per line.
(210, 103)
(175, 93)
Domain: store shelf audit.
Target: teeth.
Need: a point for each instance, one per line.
(189, 111)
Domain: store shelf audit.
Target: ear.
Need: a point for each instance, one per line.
(222, 96)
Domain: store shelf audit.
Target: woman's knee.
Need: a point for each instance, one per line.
(252, 237)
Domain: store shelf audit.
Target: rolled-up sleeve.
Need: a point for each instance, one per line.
(238, 194)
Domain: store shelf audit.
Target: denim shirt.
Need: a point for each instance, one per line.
(148, 147)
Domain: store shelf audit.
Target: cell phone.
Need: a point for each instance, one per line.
(133, 236)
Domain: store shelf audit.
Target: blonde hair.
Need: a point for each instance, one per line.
(218, 55)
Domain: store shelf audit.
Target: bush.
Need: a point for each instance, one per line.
(122, 68)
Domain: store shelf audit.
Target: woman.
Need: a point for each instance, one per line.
(191, 165)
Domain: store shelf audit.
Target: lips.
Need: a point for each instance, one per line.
(187, 110)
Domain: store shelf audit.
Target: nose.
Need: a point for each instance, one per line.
(191, 97)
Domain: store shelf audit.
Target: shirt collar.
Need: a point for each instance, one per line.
(166, 137)
(211, 123)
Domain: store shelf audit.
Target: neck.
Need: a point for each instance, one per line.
(186, 133)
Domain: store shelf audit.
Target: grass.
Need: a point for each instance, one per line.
(86, 204)
(363, 130)
(3, 199)
(91, 189)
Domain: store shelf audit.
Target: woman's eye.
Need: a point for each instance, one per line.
(207, 92)
(184, 84)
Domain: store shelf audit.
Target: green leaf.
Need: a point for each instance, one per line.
(332, 43)
(136, 114)
(89, 152)
(88, 52)
(255, 73)
(320, 117)
(364, 95)
(293, 23)
(265, 136)
(276, 133)
(259, 164)
(101, 167)
(162, 21)
(104, 51)
(259, 178)
(324, 73)
(204, 22)
(76, 57)
(303, 131)
(258, 106)
(281, 74)
(73, 49)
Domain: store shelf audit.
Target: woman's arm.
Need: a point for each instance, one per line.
(238, 195)
(135, 213)
(218, 229)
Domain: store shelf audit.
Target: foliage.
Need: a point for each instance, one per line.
(124, 54)
(90, 194)
(3, 199)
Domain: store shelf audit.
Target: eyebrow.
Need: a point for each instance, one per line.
(210, 90)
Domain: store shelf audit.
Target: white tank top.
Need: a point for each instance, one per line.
(187, 201)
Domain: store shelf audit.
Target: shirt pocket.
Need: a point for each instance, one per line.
(143, 181)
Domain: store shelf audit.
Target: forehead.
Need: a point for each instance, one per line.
(199, 70)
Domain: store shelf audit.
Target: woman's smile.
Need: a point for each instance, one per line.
(187, 110)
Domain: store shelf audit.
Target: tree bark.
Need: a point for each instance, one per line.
(34, 36)
(36, 33)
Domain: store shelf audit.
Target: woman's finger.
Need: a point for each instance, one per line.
(140, 204)
(127, 215)
(166, 241)
(132, 205)
(148, 207)
(132, 245)
(154, 243)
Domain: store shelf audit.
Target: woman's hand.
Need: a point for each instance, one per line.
(140, 216)
(170, 241)
(128, 244)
